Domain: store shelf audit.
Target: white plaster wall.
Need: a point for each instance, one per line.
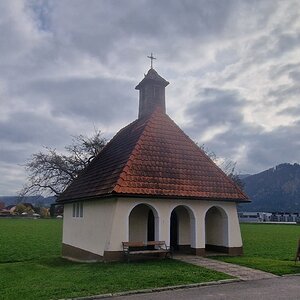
(216, 227)
(120, 225)
(92, 232)
(138, 222)
(234, 234)
(164, 207)
(184, 226)
(105, 224)
(234, 231)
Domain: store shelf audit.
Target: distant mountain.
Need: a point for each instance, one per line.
(35, 200)
(243, 176)
(276, 189)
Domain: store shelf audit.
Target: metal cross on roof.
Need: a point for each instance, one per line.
(152, 58)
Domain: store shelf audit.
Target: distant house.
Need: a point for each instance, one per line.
(151, 182)
(11, 208)
(4, 212)
(7, 211)
(254, 217)
(285, 217)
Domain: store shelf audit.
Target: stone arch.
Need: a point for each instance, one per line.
(182, 229)
(216, 229)
(143, 223)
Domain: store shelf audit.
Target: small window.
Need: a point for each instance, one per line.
(78, 210)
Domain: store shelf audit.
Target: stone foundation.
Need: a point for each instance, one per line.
(198, 251)
(113, 256)
(233, 251)
(80, 255)
(77, 254)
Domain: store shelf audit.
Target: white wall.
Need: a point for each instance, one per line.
(105, 224)
(92, 232)
(138, 223)
(184, 226)
(164, 207)
(216, 227)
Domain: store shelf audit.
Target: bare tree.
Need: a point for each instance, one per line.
(50, 172)
(228, 166)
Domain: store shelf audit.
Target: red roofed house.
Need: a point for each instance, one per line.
(151, 182)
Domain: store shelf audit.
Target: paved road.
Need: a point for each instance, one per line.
(266, 289)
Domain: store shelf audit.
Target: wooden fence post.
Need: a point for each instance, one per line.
(298, 252)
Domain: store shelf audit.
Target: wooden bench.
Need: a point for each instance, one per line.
(145, 248)
(298, 252)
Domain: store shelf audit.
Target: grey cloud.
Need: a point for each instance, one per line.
(278, 70)
(295, 75)
(9, 156)
(291, 111)
(12, 178)
(271, 148)
(284, 92)
(286, 42)
(97, 100)
(167, 26)
(261, 149)
(26, 127)
(265, 49)
(215, 107)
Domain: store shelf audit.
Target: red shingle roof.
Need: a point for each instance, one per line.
(153, 157)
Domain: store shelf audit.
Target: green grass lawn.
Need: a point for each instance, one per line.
(23, 239)
(269, 247)
(31, 267)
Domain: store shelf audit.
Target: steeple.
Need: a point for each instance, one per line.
(152, 93)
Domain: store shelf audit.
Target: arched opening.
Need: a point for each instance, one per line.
(216, 230)
(182, 230)
(143, 224)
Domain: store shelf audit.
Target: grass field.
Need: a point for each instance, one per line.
(31, 267)
(25, 240)
(269, 247)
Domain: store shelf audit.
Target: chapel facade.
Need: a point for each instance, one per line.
(150, 182)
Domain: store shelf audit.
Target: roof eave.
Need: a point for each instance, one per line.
(123, 195)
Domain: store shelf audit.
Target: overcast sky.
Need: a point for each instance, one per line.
(69, 66)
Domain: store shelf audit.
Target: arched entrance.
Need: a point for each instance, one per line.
(143, 223)
(216, 230)
(182, 229)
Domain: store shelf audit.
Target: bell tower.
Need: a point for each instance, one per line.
(152, 92)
